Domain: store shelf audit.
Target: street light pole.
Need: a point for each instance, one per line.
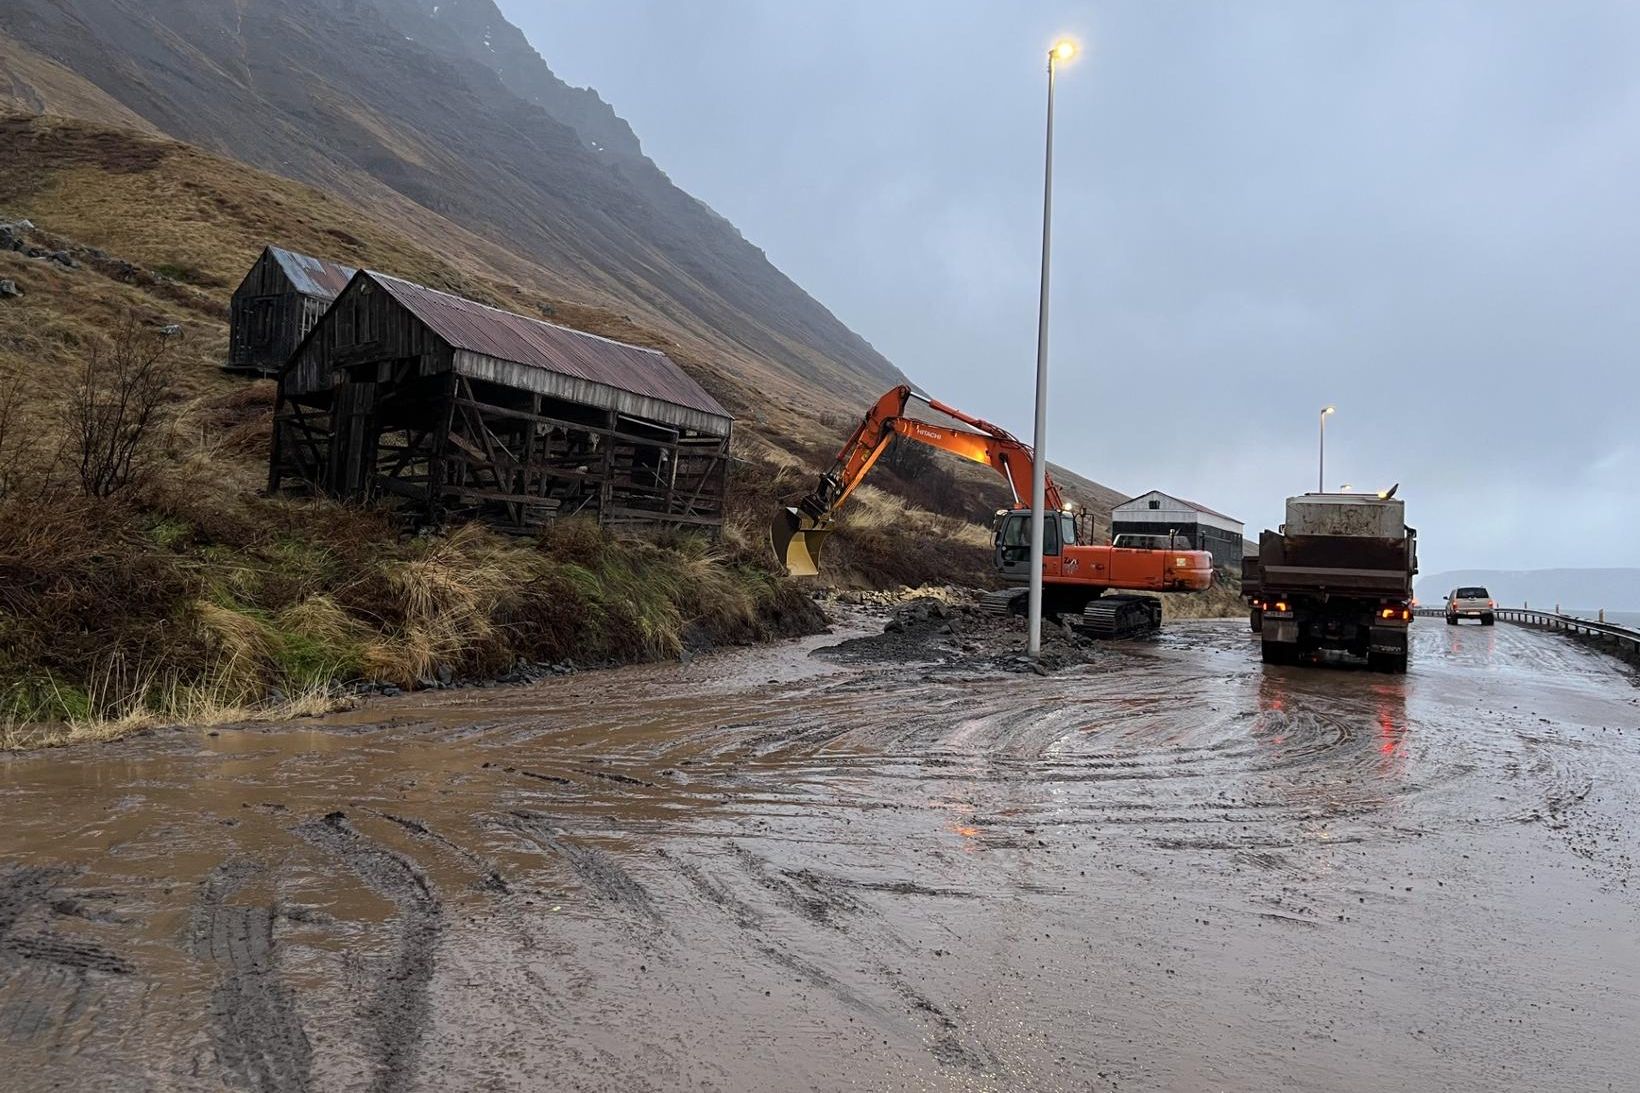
(1063, 50)
(1321, 475)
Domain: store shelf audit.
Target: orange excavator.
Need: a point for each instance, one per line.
(1076, 576)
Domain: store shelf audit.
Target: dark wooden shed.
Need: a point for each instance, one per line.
(280, 300)
(468, 412)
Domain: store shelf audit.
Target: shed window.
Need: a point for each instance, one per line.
(1155, 504)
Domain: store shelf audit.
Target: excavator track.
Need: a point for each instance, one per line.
(1009, 601)
(1108, 617)
(1121, 617)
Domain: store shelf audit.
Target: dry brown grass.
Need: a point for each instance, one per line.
(126, 712)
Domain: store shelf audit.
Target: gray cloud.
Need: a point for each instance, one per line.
(1425, 213)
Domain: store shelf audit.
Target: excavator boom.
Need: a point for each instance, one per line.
(798, 533)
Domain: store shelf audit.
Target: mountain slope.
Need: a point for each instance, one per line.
(438, 117)
(385, 101)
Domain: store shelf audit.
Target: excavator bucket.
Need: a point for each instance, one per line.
(797, 540)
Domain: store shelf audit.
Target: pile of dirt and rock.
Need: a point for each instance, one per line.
(947, 627)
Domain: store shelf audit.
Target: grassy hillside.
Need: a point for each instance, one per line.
(188, 596)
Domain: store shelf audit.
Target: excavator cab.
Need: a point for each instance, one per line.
(1013, 540)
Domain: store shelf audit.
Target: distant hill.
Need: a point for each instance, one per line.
(1581, 589)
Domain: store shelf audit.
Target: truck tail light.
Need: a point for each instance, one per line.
(1396, 611)
(1281, 605)
(1492, 603)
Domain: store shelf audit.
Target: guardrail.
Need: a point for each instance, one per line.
(1620, 639)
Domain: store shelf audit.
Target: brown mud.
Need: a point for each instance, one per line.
(896, 865)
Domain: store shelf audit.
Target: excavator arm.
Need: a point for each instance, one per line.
(799, 532)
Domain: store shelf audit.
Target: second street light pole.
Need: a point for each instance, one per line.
(1063, 50)
(1321, 470)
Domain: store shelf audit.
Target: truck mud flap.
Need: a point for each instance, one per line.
(1280, 631)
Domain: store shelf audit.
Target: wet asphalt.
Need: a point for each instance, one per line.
(1169, 869)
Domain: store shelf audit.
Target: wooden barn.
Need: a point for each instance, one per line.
(1158, 513)
(281, 299)
(467, 412)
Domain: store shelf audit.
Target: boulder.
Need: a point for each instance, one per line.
(65, 259)
(9, 289)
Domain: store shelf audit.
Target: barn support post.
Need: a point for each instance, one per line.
(723, 486)
(606, 490)
(276, 455)
(438, 465)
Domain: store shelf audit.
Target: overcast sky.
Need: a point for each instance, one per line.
(1428, 214)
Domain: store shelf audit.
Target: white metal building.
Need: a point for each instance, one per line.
(1158, 513)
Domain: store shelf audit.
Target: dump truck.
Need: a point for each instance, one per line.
(1337, 576)
(1081, 582)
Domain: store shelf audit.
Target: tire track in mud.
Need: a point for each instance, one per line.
(489, 874)
(35, 892)
(49, 983)
(399, 1012)
(751, 922)
(599, 872)
(802, 892)
(255, 1029)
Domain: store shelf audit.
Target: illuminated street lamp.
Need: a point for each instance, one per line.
(1061, 52)
(1321, 477)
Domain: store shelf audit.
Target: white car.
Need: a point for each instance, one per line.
(1471, 603)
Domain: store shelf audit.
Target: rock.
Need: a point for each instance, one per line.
(35, 252)
(276, 697)
(444, 675)
(9, 289)
(65, 259)
(390, 691)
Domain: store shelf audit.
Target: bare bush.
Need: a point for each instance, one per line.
(116, 404)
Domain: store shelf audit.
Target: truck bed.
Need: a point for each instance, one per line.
(1336, 565)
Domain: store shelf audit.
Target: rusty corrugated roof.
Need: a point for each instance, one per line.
(471, 326)
(313, 276)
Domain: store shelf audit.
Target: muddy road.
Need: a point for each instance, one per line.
(1168, 869)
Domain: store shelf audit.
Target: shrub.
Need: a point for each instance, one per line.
(116, 405)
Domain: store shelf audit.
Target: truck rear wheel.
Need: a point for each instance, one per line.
(1256, 621)
(1488, 620)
